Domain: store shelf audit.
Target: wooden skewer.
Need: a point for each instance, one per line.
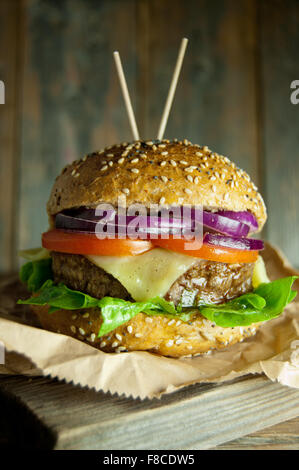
(172, 88)
(126, 95)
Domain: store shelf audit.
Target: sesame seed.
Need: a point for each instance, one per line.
(196, 180)
(169, 342)
(162, 146)
(126, 191)
(162, 200)
(143, 155)
(163, 163)
(213, 178)
(183, 162)
(171, 322)
(110, 155)
(189, 178)
(104, 168)
(138, 335)
(179, 341)
(86, 315)
(149, 142)
(84, 158)
(103, 344)
(110, 163)
(149, 320)
(118, 336)
(135, 170)
(135, 160)
(121, 160)
(178, 323)
(199, 154)
(173, 163)
(81, 331)
(189, 347)
(188, 191)
(120, 349)
(164, 179)
(129, 329)
(114, 344)
(226, 196)
(73, 329)
(186, 142)
(92, 337)
(164, 153)
(213, 188)
(73, 172)
(190, 169)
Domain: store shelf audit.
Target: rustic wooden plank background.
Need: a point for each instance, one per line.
(9, 130)
(63, 99)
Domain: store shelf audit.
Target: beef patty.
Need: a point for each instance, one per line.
(208, 281)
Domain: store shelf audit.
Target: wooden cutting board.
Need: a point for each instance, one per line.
(197, 417)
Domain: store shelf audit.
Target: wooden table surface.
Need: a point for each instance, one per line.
(212, 414)
(282, 436)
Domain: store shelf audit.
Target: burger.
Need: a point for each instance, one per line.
(156, 292)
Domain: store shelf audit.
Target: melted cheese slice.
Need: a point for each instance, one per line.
(147, 275)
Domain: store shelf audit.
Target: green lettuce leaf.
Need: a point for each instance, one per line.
(35, 273)
(267, 301)
(116, 312)
(34, 254)
(59, 296)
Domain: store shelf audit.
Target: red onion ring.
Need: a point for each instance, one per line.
(236, 243)
(244, 217)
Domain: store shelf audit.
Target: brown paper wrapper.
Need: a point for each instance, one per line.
(30, 350)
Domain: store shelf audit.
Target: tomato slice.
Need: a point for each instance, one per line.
(212, 253)
(89, 244)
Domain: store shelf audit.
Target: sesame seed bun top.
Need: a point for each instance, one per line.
(157, 172)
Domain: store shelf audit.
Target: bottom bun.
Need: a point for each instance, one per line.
(158, 334)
